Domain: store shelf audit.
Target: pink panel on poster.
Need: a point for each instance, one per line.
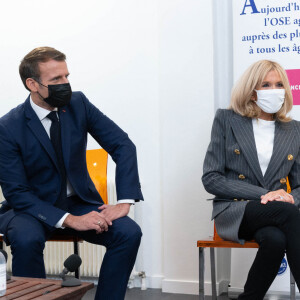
(294, 78)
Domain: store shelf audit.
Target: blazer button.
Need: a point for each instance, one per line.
(237, 151)
(290, 157)
(235, 199)
(242, 199)
(241, 176)
(282, 180)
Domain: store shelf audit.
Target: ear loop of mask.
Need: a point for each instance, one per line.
(41, 85)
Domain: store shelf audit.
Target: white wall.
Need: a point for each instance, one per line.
(223, 80)
(147, 64)
(187, 105)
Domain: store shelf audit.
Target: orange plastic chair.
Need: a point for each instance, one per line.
(96, 161)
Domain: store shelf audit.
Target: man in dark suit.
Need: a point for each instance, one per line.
(44, 177)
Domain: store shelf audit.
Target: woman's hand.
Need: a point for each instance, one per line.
(279, 195)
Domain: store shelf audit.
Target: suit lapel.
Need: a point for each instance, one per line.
(243, 131)
(39, 131)
(283, 138)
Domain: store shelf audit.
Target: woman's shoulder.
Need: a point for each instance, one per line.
(292, 125)
(225, 113)
(296, 125)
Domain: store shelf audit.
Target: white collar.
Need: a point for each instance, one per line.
(40, 111)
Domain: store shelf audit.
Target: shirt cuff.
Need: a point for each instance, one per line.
(61, 221)
(130, 201)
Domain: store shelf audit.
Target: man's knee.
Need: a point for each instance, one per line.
(26, 234)
(136, 233)
(27, 243)
(128, 231)
(132, 231)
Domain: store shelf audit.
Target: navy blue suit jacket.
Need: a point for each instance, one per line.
(29, 174)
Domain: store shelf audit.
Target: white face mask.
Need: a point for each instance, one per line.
(270, 101)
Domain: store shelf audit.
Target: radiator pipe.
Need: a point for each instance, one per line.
(141, 275)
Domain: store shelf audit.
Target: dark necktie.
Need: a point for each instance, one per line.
(55, 137)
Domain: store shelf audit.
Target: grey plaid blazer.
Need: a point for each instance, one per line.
(232, 173)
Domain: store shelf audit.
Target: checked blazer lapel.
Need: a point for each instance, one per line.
(39, 131)
(243, 131)
(283, 139)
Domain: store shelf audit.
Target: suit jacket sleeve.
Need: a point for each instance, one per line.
(123, 152)
(13, 180)
(214, 177)
(294, 175)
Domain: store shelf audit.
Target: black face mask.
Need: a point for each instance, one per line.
(59, 94)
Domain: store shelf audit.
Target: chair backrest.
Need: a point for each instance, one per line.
(288, 186)
(96, 161)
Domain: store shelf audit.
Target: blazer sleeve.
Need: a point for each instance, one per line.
(13, 179)
(122, 150)
(214, 178)
(294, 175)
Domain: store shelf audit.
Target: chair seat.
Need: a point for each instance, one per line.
(59, 238)
(212, 243)
(217, 242)
(65, 238)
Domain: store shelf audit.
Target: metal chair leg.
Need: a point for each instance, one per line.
(76, 251)
(213, 274)
(292, 287)
(201, 273)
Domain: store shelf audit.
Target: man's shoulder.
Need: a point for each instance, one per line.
(78, 98)
(14, 115)
(80, 103)
(78, 95)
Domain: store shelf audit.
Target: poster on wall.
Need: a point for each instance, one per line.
(268, 29)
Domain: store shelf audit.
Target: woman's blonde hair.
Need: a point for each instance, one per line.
(242, 93)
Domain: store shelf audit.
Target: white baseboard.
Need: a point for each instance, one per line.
(180, 287)
(152, 282)
(191, 287)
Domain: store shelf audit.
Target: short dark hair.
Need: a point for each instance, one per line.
(29, 67)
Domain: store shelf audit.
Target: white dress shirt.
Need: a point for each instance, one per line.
(264, 132)
(46, 122)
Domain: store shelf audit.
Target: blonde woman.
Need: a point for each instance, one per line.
(254, 148)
